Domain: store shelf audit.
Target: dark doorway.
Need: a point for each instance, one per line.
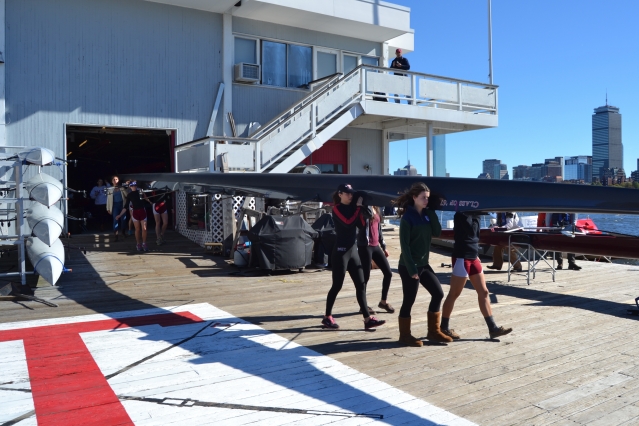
(105, 151)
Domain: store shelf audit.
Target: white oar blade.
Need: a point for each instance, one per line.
(47, 261)
(37, 155)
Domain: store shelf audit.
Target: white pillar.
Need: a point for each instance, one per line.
(385, 58)
(429, 150)
(385, 153)
(228, 59)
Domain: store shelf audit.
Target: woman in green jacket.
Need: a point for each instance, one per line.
(417, 226)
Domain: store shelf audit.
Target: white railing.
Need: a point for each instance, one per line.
(306, 118)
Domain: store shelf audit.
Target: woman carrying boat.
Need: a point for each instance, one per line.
(372, 248)
(138, 214)
(466, 265)
(347, 219)
(114, 205)
(417, 226)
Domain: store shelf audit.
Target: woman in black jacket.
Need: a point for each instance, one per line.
(371, 247)
(466, 265)
(347, 218)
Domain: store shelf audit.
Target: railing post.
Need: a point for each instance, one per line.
(459, 95)
(313, 118)
(363, 82)
(413, 89)
(258, 156)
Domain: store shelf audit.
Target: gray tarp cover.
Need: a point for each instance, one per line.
(282, 242)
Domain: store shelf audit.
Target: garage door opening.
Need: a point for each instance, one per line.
(106, 151)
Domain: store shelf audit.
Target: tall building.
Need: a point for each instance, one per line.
(408, 170)
(521, 172)
(553, 168)
(488, 166)
(578, 167)
(607, 148)
(439, 155)
(501, 171)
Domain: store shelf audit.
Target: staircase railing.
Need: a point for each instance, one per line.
(304, 119)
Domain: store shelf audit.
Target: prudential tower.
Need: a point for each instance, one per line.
(607, 149)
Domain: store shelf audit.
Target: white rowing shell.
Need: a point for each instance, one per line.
(44, 189)
(47, 261)
(45, 222)
(37, 155)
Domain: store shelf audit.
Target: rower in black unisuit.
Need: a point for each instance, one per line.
(347, 218)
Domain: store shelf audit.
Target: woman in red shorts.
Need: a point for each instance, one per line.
(466, 265)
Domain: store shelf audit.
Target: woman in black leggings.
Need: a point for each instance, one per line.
(371, 247)
(417, 226)
(347, 217)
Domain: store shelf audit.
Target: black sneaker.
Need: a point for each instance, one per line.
(373, 322)
(329, 322)
(559, 267)
(574, 267)
(499, 331)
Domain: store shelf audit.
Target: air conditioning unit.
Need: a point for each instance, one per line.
(249, 73)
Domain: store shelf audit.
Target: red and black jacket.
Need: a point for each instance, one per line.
(347, 219)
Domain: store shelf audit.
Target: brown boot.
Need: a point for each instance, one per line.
(434, 333)
(404, 333)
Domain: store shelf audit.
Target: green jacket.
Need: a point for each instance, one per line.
(415, 233)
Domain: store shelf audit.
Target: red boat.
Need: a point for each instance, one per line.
(586, 239)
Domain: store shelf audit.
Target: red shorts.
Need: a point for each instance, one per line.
(159, 208)
(138, 215)
(466, 267)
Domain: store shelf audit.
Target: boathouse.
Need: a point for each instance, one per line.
(236, 86)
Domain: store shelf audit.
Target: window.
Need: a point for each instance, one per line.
(350, 63)
(300, 65)
(274, 63)
(369, 60)
(245, 50)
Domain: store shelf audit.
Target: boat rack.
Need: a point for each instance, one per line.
(15, 163)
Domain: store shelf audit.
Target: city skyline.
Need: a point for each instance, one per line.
(549, 81)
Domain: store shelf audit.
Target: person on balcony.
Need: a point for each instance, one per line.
(505, 222)
(399, 63)
(347, 219)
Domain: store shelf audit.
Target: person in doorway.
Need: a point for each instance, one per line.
(115, 203)
(399, 63)
(135, 204)
(466, 265)
(128, 214)
(160, 206)
(561, 220)
(99, 195)
(505, 222)
(372, 248)
(346, 217)
(418, 224)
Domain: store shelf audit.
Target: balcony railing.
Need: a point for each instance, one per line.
(332, 98)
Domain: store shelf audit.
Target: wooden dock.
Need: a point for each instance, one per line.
(571, 359)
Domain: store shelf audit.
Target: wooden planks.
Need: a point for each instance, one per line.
(571, 357)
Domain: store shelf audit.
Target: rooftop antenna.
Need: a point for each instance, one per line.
(606, 97)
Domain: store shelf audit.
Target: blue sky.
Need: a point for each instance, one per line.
(553, 62)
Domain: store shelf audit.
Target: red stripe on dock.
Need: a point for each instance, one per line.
(67, 385)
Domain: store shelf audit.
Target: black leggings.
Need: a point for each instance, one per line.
(410, 285)
(341, 261)
(369, 253)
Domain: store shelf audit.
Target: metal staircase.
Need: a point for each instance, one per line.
(285, 141)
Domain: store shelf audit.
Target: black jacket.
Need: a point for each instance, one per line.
(466, 232)
(362, 235)
(347, 219)
(403, 62)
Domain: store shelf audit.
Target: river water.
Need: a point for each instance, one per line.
(620, 223)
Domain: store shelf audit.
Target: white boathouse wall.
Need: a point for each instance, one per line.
(111, 63)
